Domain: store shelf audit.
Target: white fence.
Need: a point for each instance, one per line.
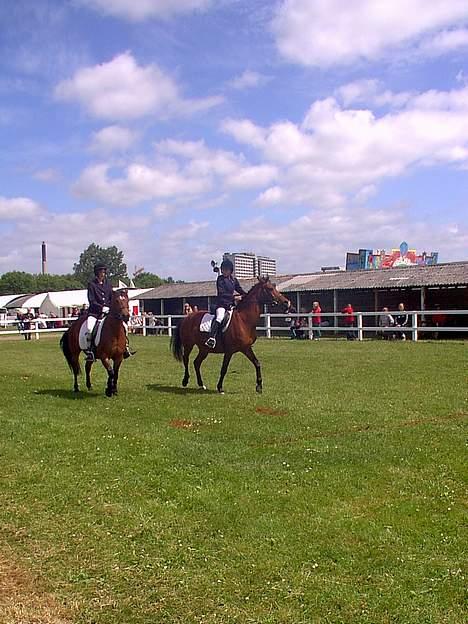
(419, 323)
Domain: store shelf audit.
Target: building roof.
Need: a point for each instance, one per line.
(448, 274)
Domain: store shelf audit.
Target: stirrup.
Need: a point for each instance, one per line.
(211, 342)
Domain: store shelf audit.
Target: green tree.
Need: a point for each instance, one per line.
(148, 280)
(17, 283)
(111, 256)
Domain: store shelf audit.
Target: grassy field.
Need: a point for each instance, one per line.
(339, 495)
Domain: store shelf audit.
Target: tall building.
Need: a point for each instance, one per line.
(248, 265)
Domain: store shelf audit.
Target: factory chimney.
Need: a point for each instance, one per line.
(44, 258)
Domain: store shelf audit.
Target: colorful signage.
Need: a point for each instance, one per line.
(403, 256)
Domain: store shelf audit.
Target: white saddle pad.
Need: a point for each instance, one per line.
(84, 330)
(205, 323)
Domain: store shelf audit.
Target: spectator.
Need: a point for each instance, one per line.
(401, 320)
(187, 309)
(151, 324)
(349, 321)
(297, 328)
(386, 321)
(316, 320)
(439, 320)
(27, 323)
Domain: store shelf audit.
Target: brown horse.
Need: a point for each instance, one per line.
(111, 345)
(240, 335)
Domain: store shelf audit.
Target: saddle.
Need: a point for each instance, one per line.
(96, 335)
(205, 323)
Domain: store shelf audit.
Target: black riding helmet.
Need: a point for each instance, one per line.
(227, 264)
(99, 266)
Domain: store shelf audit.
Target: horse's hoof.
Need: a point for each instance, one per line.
(259, 389)
(221, 391)
(184, 383)
(90, 387)
(202, 387)
(108, 392)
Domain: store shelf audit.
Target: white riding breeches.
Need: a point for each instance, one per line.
(90, 324)
(220, 312)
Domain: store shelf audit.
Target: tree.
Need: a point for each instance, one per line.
(110, 256)
(148, 280)
(16, 283)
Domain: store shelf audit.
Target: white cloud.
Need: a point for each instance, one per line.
(123, 90)
(139, 10)
(138, 183)
(47, 175)
(337, 152)
(113, 139)
(18, 208)
(248, 80)
(338, 32)
(371, 92)
(445, 42)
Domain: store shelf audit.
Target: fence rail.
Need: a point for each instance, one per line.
(419, 323)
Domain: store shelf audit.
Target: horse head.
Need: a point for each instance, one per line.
(119, 305)
(270, 294)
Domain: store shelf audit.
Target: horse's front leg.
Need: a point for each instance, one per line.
(110, 375)
(88, 367)
(117, 363)
(186, 356)
(252, 357)
(197, 365)
(224, 367)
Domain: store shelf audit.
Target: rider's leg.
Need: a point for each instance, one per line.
(89, 351)
(127, 352)
(215, 325)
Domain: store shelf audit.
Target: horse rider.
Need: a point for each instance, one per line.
(99, 297)
(226, 286)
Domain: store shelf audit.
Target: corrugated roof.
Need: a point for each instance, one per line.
(448, 274)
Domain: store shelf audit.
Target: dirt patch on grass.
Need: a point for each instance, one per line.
(22, 599)
(269, 411)
(179, 423)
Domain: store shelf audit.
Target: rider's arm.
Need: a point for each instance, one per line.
(238, 288)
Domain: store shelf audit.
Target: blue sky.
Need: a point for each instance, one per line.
(180, 129)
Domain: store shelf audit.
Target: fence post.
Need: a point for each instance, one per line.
(36, 330)
(143, 318)
(359, 326)
(311, 331)
(268, 325)
(169, 326)
(414, 326)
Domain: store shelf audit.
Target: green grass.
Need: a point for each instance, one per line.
(336, 496)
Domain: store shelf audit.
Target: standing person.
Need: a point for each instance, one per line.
(386, 321)
(439, 320)
(226, 286)
(401, 320)
(316, 320)
(349, 321)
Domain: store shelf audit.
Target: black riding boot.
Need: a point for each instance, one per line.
(127, 352)
(211, 342)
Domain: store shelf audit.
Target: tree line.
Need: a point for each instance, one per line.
(19, 282)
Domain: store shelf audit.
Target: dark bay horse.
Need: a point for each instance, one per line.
(240, 335)
(111, 345)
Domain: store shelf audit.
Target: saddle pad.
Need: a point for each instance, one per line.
(205, 323)
(84, 330)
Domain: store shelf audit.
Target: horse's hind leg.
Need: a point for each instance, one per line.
(197, 365)
(88, 367)
(187, 351)
(115, 378)
(75, 366)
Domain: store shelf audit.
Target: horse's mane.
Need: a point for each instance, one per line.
(249, 297)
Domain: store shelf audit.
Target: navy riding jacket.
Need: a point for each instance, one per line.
(226, 287)
(99, 295)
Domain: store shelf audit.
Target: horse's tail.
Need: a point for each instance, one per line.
(65, 346)
(176, 344)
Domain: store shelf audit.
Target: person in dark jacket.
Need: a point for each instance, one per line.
(226, 286)
(99, 297)
(401, 320)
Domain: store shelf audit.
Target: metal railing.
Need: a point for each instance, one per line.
(419, 323)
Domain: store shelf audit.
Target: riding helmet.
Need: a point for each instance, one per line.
(227, 264)
(99, 266)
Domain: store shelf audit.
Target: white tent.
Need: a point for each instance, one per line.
(55, 302)
(4, 299)
(34, 301)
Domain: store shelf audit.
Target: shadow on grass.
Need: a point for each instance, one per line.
(178, 390)
(61, 393)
